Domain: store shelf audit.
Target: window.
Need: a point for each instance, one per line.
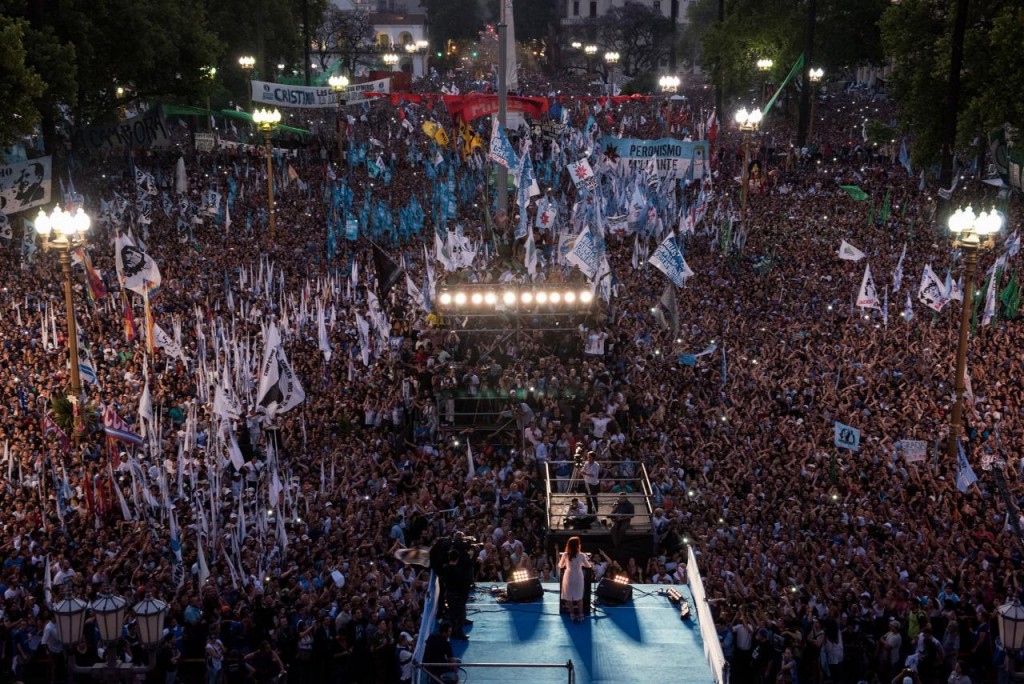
(657, 6)
(593, 9)
(576, 8)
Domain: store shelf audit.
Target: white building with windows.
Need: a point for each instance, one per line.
(578, 11)
(399, 26)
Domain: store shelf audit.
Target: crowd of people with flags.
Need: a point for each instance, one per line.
(260, 426)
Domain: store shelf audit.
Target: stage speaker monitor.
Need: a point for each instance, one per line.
(617, 590)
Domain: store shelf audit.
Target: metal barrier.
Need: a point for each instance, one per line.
(712, 646)
(567, 665)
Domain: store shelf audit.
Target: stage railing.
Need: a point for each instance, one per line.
(432, 679)
(712, 647)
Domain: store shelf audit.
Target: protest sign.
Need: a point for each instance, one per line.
(24, 185)
(673, 158)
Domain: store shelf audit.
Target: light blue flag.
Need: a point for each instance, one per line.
(501, 150)
(847, 437)
(965, 476)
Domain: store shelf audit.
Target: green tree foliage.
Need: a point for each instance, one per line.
(343, 35)
(641, 36)
(846, 35)
(20, 84)
(917, 34)
(458, 20)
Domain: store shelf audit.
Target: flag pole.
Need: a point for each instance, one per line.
(502, 178)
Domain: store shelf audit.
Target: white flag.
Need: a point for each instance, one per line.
(848, 252)
(868, 296)
(908, 310)
(897, 275)
(321, 325)
(137, 271)
(166, 342)
(932, 291)
(470, 465)
(990, 300)
(530, 257)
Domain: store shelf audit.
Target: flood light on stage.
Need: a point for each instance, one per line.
(481, 298)
(523, 587)
(615, 589)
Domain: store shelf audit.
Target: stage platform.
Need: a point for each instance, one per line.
(643, 641)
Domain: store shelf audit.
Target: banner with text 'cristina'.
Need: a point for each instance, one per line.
(670, 157)
(314, 97)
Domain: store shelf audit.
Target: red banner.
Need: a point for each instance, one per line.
(474, 105)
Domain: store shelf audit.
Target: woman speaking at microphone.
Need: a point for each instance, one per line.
(573, 561)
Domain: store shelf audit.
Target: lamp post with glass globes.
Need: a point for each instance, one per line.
(109, 611)
(209, 74)
(669, 84)
(248, 63)
(339, 84)
(611, 58)
(815, 75)
(266, 121)
(590, 50)
(972, 233)
(749, 123)
(764, 65)
(390, 60)
(64, 232)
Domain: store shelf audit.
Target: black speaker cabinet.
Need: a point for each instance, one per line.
(614, 592)
(525, 590)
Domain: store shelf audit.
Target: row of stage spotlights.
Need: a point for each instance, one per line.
(465, 298)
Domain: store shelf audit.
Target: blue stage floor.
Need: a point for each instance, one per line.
(643, 641)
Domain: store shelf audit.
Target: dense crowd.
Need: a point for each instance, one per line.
(821, 564)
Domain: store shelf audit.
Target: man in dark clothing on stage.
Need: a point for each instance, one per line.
(622, 516)
(457, 582)
(438, 649)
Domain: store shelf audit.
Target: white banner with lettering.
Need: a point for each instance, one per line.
(356, 93)
(305, 97)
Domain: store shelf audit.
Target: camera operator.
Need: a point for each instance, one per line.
(590, 472)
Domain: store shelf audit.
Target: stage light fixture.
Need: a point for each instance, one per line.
(586, 296)
(491, 298)
(542, 297)
(527, 298)
(509, 297)
(445, 299)
(477, 298)
(523, 587)
(556, 297)
(570, 297)
(615, 589)
(460, 299)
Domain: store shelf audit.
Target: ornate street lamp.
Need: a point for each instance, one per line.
(64, 232)
(764, 65)
(611, 58)
(590, 50)
(1011, 625)
(338, 84)
(669, 84)
(749, 123)
(109, 611)
(267, 121)
(390, 59)
(971, 233)
(815, 75)
(247, 62)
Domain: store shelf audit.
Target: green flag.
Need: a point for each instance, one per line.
(884, 215)
(1010, 297)
(855, 192)
(792, 72)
